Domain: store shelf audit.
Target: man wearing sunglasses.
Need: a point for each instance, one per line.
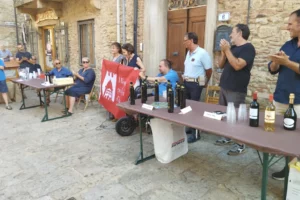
(59, 71)
(35, 66)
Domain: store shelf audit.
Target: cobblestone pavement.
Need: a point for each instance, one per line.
(77, 159)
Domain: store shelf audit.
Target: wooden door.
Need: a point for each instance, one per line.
(49, 47)
(179, 23)
(177, 27)
(196, 22)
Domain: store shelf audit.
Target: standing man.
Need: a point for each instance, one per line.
(23, 57)
(237, 62)
(5, 54)
(197, 69)
(287, 64)
(3, 85)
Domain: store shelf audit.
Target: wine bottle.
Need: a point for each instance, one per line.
(156, 91)
(270, 116)
(254, 111)
(170, 101)
(169, 85)
(177, 97)
(132, 95)
(290, 116)
(182, 97)
(144, 92)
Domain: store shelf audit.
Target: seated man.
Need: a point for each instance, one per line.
(35, 66)
(59, 71)
(84, 83)
(3, 86)
(5, 54)
(166, 73)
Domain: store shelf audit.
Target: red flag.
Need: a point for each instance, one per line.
(114, 86)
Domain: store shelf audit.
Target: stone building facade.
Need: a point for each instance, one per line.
(8, 35)
(267, 22)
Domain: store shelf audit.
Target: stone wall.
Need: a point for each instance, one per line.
(105, 27)
(7, 25)
(268, 21)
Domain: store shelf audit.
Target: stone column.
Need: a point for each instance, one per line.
(155, 34)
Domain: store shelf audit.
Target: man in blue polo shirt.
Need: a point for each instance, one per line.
(59, 71)
(3, 86)
(166, 73)
(286, 63)
(197, 72)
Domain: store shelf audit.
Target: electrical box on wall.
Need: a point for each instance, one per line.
(222, 32)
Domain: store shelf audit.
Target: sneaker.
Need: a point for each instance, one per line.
(279, 175)
(237, 150)
(223, 141)
(193, 137)
(8, 107)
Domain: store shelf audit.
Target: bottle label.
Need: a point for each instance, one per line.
(253, 113)
(288, 123)
(270, 116)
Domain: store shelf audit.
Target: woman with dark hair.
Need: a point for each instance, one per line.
(116, 51)
(131, 59)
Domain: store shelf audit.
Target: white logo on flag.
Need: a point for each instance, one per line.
(109, 86)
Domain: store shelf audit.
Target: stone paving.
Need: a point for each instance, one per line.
(82, 158)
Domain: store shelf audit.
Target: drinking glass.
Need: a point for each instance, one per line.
(230, 113)
(242, 114)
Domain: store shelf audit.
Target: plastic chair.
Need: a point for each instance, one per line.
(212, 94)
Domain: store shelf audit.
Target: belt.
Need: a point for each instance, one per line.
(187, 79)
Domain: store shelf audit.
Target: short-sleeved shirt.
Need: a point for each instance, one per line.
(172, 76)
(196, 63)
(288, 81)
(26, 54)
(119, 59)
(238, 80)
(34, 68)
(89, 79)
(5, 54)
(64, 72)
(2, 74)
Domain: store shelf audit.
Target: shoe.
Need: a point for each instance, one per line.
(8, 107)
(279, 175)
(69, 113)
(237, 150)
(223, 141)
(193, 137)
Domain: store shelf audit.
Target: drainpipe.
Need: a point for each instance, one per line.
(124, 22)
(16, 22)
(135, 23)
(118, 21)
(248, 13)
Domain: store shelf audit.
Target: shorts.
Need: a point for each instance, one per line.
(3, 87)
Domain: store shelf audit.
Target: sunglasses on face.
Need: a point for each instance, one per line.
(33, 58)
(84, 62)
(57, 63)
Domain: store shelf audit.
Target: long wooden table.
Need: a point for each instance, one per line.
(37, 84)
(280, 142)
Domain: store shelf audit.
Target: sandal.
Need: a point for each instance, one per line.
(8, 107)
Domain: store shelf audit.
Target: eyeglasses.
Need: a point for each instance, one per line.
(84, 62)
(57, 63)
(33, 58)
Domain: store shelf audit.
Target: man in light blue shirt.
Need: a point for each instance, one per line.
(5, 54)
(59, 71)
(166, 73)
(197, 72)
